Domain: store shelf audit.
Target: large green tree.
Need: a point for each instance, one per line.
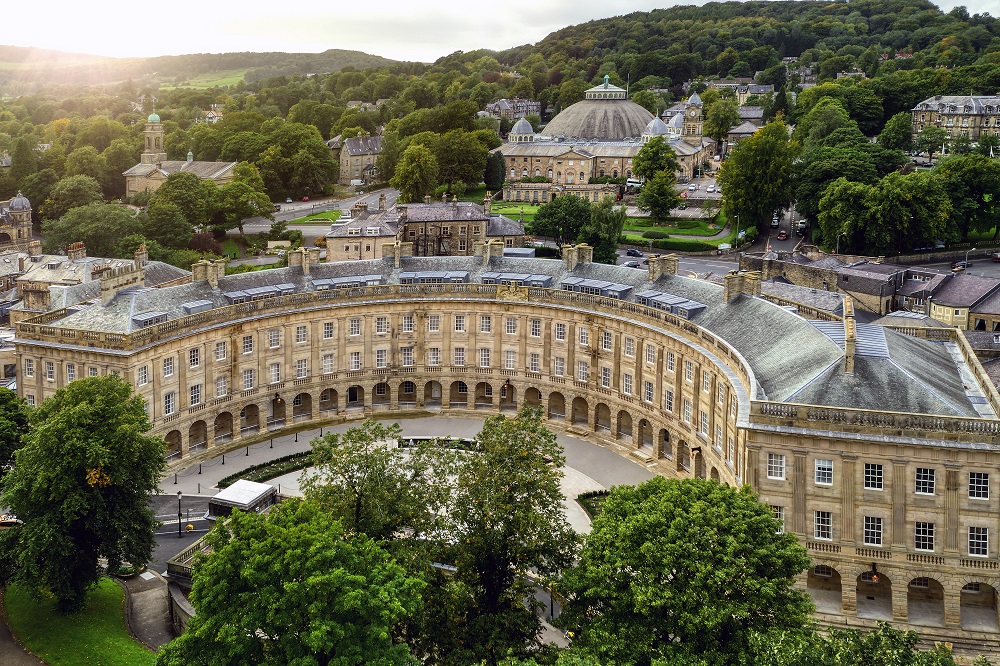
(973, 185)
(654, 156)
(721, 118)
(194, 197)
(99, 227)
(416, 174)
(604, 230)
(69, 193)
(294, 587)
(930, 140)
(685, 571)
(562, 219)
(82, 483)
(13, 426)
(759, 176)
(897, 133)
(658, 196)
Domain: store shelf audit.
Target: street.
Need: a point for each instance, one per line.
(297, 209)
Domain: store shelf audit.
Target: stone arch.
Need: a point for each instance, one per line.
(302, 406)
(328, 400)
(5, 237)
(714, 474)
(381, 394)
(533, 397)
(925, 601)
(824, 586)
(602, 418)
(666, 448)
(223, 427)
(557, 406)
(278, 411)
(698, 458)
(624, 426)
(355, 397)
(646, 440)
(407, 393)
(197, 434)
(874, 592)
(683, 457)
(432, 394)
(173, 440)
(508, 396)
(581, 411)
(978, 606)
(484, 395)
(458, 392)
(250, 418)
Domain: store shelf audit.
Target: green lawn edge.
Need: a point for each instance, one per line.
(95, 635)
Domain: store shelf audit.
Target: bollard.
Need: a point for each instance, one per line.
(321, 431)
(175, 478)
(248, 451)
(223, 458)
(199, 489)
(296, 437)
(199, 468)
(272, 443)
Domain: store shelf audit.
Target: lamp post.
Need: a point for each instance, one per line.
(842, 233)
(180, 516)
(971, 249)
(737, 231)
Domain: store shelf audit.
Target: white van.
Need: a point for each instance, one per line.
(634, 182)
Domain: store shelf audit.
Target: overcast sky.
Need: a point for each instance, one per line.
(421, 30)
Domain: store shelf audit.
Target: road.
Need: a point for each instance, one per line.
(297, 209)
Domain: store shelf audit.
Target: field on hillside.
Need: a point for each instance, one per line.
(226, 77)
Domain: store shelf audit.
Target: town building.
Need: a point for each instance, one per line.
(15, 222)
(595, 140)
(968, 116)
(154, 167)
(512, 109)
(359, 159)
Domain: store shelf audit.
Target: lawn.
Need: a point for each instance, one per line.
(96, 635)
(318, 218)
(513, 211)
(230, 247)
(205, 80)
(638, 225)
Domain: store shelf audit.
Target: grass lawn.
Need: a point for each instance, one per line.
(318, 218)
(225, 77)
(230, 247)
(514, 211)
(95, 635)
(640, 224)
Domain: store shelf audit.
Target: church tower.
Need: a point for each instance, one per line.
(694, 121)
(153, 153)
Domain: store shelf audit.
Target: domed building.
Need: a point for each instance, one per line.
(15, 221)
(594, 141)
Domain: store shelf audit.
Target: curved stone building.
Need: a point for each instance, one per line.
(876, 447)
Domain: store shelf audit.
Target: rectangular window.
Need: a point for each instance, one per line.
(647, 391)
(510, 359)
(354, 326)
(687, 411)
(169, 403)
(560, 332)
(671, 361)
(979, 541)
(407, 324)
(220, 351)
(92, 371)
(29, 367)
(606, 377)
(30, 400)
(510, 325)
(406, 356)
(979, 485)
(650, 354)
(434, 356)
(923, 537)
(274, 338)
(582, 371)
(381, 325)
(70, 372)
(247, 344)
(327, 364)
(459, 356)
(722, 394)
(824, 472)
(559, 366)
(168, 367)
(248, 379)
(536, 328)
(629, 346)
(484, 357)
(873, 531)
(606, 340)
(704, 423)
(822, 525)
(274, 372)
(301, 368)
(688, 371)
(668, 401)
(221, 387)
(873, 476)
(775, 465)
(327, 330)
(460, 323)
(142, 376)
(718, 437)
(706, 382)
(730, 450)
(779, 515)
(194, 357)
(627, 384)
(584, 335)
(196, 395)
(301, 334)
(434, 323)
(534, 362)
(924, 481)
(355, 360)
(381, 358)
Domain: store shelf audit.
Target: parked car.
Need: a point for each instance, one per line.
(277, 208)
(782, 235)
(711, 188)
(692, 187)
(995, 256)
(960, 265)
(288, 200)
(8, 521)
(682, 206)
(632, 252)
(631, 264)
(774, 221)
(305, 198)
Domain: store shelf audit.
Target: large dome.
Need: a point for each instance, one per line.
(600, 119)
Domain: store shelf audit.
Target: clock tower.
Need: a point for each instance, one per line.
(694, 121)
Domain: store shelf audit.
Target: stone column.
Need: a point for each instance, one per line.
(952, 604)
(900, 612)
(848, 596)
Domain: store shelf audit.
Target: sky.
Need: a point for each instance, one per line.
(420, 30)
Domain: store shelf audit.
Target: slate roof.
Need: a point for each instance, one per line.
(750, 112)
(965, 291)
(746, 127)
(204, 170)
(960, 104)
(363, 145)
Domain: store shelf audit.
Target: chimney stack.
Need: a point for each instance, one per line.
(487, 203)
(732, 284)
(570, 255)
(75, 251)
(296, 258)
(381, 201)
(585, 253)
(34, 248)
(200, 269)
(220, 272)
(312, 257)
(141, 257)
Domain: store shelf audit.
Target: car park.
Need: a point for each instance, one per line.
(631, 264)
(782, 235)
(692, 187)
(711, 188)
(632, 252)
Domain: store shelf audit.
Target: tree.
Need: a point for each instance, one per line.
(38, 187)
(820, 167)
(495, 173)
(507, 519)
(647, 100)
(930, 140)
(972, 182)
(654, 156)
(166, 224)
(562, 219)
(23, 161)
(686, 571)
(13, 426)
(461, 157)
(99, 227)
(294, 587)
(82, 483)
(759, 175)
(658, 196)
(69, 193)
(721, 118)
(843, 216)
(192, 195)
(907, 211)
(897, 133)
(604, 231)
(416, 174)
(235, 201)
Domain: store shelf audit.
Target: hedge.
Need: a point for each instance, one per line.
(655, 234)
(683, 245)
(592, 501)
(272, 469)
(688, 224)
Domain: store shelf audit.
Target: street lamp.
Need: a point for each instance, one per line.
(737, 231)
(180, 516)
(971, 249)
(842, 233)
